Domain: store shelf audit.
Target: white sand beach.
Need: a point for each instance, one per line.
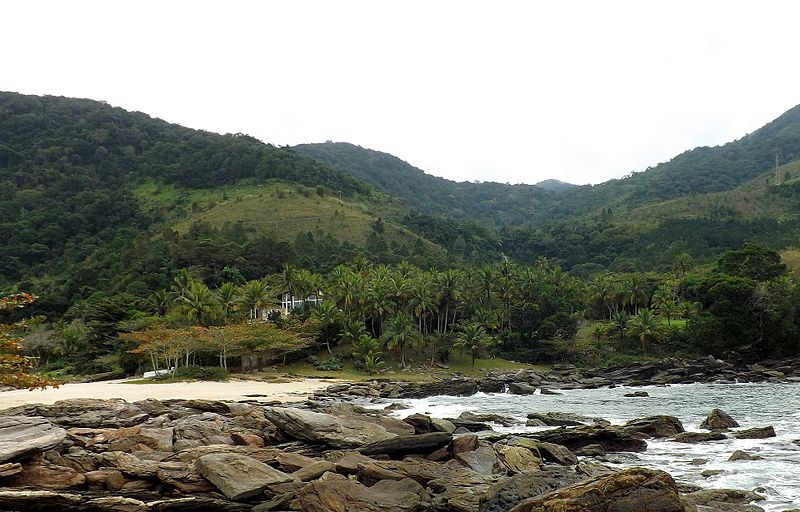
(232, 390)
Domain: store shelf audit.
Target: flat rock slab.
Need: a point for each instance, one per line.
(755, 433)
(239, 476)
(85, 412)
(325, 428)
(24, 436)
(404, 445)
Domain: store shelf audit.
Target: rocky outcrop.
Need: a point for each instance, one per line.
(630, 490)
(325, 428)
(654, 426)
(718, 419)
(85, 412)
(508, 493)
(22, 436)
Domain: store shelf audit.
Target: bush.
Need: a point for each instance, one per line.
(334, 364)
(198, 372)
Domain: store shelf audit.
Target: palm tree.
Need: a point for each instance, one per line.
(255, 295)
(473, 337)
(181, 282)
(602, 294)
(620, 322)
(228, 296)
(400, 333)
(328, 315)
(448, 294)
(422, 299)
(198, 302)
(351, 332)
(161, 301)
(669, 308)
(646, 327)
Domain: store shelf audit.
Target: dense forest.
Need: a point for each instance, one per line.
(120, 223)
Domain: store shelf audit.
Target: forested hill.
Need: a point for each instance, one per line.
(494, 202)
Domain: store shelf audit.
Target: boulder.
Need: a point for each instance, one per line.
(340, 496)
(521, 388)
(655, 426)
(201, 429)
(314, 470)
(422, 423)
(612, 439)
(239, 476)
(488, 417)
(22, 437)
(517, 459)
(404, 445)
(557, 453)
(464, 443)
(718, 419)
(637, 394)
(461, 491)
(742, 455)
(325, 428)
(755, 433)
(721, 499)
(560, 419)
(183, 476)
(504, 495)
(698, 437)
(43, 475)
(443, 425)
(484, 460)
(629, 490)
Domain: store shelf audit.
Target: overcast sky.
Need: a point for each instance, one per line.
(501, 91)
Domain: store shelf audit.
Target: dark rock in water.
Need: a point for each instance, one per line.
(612, 439)
(698, 462)
(637, 394)
(591, 450)
(521, 388)
(23, 436)
(402, 496)
(557, 453)
(491, 386)
(503, 496)
(655, 426)
(630, 490)
(395, 407)
(708, 473)
(546, 391)
(718, 419)
(238, 476)
(723, 499)
(404, 445)
(742, 455)
(698, 437)
(755, 433)
(484, 417)
(560, 419)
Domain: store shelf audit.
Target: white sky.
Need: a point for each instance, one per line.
(495, 90)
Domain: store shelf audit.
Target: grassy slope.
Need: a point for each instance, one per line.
(277, 208)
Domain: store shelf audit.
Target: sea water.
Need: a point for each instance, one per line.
(777, 476)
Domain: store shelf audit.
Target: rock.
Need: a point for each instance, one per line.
(423, 424)
(404, 445)
(517, 459)
(340, 496)
(129, 464)
(561, 419)
(461, 491)
(741, 455)
(504, 495)
(698, 437)
(655, 426)
(612, 439)
(493, 418)
(698, 462)
(13, 499)
(238, 476)
(247, 439)
(484, 460)
(314, 470)
(396, 406)
(116, 504)
(443, 425)
(708, 473)
(202, 429)
(22, 436)
(85, 412)
(292, 462)
(464, 443)
(718, 419)
(637, 394)
(214, 406)
(557, 453)
(521, 388)
(712, 497)
(630, 490)
(110, 479)
(183, 476)
(10, 469)
(324, 428)
(43, 475)
(591, 450)
(755, 433)
(469, 425)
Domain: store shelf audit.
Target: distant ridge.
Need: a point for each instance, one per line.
(555, 185)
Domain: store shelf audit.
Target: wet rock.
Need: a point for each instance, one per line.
(612, 439)
(422, 423)
(637, 394)
(521, 388)
(238, 476)
(722, 499)
(742, 455)
(655, 426)
(325, 428)
(488, 417)
(560, 419)
(504, 495)
(469, 425)
(709, 473)
(698, 462)
(22, 437)
(755, 433)
(591, 450)
(557, 453)
(401, 496)
(630, 490)
(698, 437)
(718, 419)
(404, 445)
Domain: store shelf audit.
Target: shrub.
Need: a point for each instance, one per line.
(333, 364)
(198, 372)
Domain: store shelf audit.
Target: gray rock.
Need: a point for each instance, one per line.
(484, 460)
(23, 436)
(239, 476)
(557, 453)
(404, 445)
(718, 419)
(85, 412)
(493, 418)
(742, 455)
(755, 433)
(504, 495)
(521, 388)
(698, 437)
(612, 439)
(655, 426)
(325, 428)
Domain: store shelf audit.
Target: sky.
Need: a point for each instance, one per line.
(507, 91)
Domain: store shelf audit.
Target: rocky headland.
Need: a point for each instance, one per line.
(201, 455)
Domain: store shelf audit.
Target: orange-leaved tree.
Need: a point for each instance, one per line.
(14, 368)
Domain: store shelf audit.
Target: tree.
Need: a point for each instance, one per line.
(472, 338)
(669, 308)
(328, 315)
(752, 261)
(646, 327)
(401, 333)
(228, 296)
(198, 302)
(14, 368)
(255, 296)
